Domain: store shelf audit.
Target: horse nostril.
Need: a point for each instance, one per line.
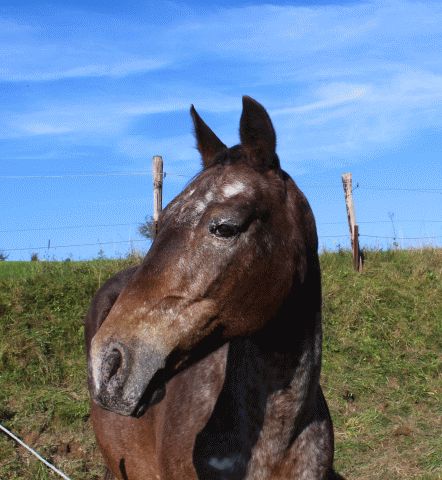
(111, 364)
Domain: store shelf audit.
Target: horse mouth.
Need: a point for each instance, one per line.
(154, 393)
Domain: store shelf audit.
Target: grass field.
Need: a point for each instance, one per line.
(381, 364)
(19, 270)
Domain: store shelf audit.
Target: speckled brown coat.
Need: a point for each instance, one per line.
(204, 361)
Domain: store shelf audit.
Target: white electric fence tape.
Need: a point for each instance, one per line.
(23, 444)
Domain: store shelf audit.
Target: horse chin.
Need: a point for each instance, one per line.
(148, 401)
(154, 393)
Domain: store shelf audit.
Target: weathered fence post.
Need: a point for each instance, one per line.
(157, 170)
(354, 228)
(357, 259)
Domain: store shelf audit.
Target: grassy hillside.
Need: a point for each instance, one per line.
(382, 340)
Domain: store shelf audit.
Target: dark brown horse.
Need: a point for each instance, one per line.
(204, 361)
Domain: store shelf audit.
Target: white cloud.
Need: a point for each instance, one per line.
(332, 95)
(339, 81)
(43, 129)
(63, 119)
(178, 150)
(73, 44)
(121, 69)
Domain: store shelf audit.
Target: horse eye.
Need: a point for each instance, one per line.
(223, 230)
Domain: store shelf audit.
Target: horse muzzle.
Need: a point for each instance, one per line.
(126, 379)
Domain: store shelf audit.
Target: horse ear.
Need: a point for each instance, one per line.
(207, 142)
(257, 133)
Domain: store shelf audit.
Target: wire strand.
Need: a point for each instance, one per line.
(73, 245)
(381, 236)
(31, 450)
(76, 175)
(105, 225)
(166, 173)
(67, 227)
(402, 189)
(401, 238)
(86, 175)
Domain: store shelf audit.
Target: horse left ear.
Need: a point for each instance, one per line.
(257, 134)
(207, 142)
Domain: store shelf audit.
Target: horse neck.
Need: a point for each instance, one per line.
(270, 389)
(282, 383)
(284, 359)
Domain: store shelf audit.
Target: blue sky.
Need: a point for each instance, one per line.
(91, 88)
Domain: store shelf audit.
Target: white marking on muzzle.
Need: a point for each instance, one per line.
(95, 359)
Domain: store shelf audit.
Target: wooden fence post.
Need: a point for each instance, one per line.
(157, 170)
(354, 228)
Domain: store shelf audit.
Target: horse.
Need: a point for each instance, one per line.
(204, 361)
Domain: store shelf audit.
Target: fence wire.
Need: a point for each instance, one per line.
(85, 215)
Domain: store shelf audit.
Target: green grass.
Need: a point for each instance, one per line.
(381, 364)
(42, 369)
(15, 270)
(381, 371)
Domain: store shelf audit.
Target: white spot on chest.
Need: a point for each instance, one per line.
(233, 189)
(224, 463)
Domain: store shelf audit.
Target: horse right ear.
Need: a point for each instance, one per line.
(208, 144)
(257, 134)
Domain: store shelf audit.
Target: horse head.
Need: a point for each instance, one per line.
(229, 251)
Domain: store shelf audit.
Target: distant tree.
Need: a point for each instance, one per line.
(101, 255)
(34, 257)
(3, 256)
(147, 229)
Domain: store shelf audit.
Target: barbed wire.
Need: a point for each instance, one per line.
(87, 175)
(68, 227)
(176, 174)
(380, 221)
(401, 189)
(76, 175)
(344, 235)
(401, 238)
(360, 186)
(98, 225)
(52, 247)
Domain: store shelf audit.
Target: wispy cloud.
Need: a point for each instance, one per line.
(339, 80)
(332, 96)
(107, 119)
(116, 70)
(58, 120)
(102, 47)
(43, 129)
(364, 117)
(179, 150)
